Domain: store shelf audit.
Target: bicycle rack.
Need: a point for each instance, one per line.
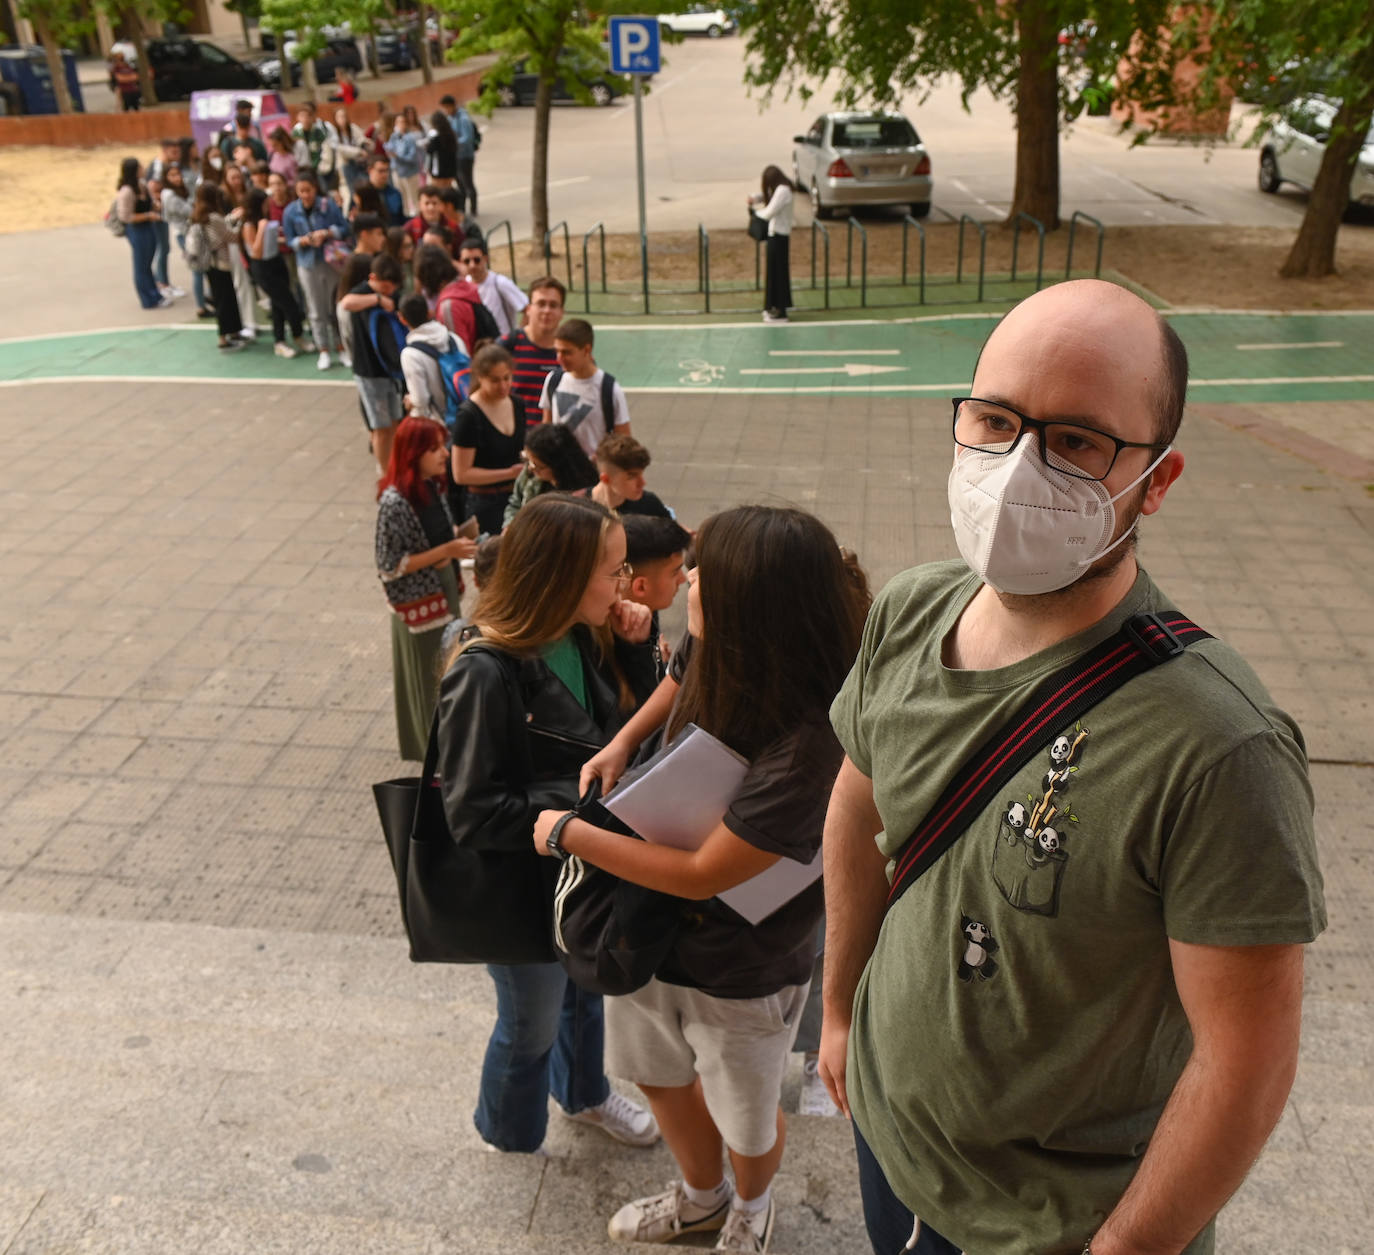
(907, 223)
(853, 225)
(704, 264)
(600, 229)
(825, 235)
(982, 252)
(1073, 228)
(567, 250)
(510, 244)
(1016, 244)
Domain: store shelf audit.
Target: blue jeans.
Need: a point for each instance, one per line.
(164, 244)
(143, 241)
(197, 278)
(889, 1221)
(548, 1040)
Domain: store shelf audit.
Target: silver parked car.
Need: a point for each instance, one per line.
(1293, 150)
(850, 159)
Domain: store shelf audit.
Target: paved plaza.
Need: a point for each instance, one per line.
(213, 1039)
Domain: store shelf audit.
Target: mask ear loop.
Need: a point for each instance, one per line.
(1144, 475)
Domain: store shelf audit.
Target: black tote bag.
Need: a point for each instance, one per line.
(460, 905)
(758, 227)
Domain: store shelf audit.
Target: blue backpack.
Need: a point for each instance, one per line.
(388, 335)
(452, 362)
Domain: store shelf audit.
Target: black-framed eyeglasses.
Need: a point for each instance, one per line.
(1083, 452)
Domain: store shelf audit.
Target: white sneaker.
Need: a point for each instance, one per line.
(173, 291)
(663, 1217)
(248, 333)
(282, 349)
(541, 1153)
(346, 358)
(307, 344)
(747, 1233)
(815, 1098)
(621, 1119)
(264, 303)
(165, 302)
(324, 362)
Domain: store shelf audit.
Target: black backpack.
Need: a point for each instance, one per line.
(607, 394)
(611, 936)
(484, 325)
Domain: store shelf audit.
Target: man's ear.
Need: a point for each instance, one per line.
(604, 478)
(639, 588)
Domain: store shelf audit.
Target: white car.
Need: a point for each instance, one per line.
(1292, 151)
(699, 19)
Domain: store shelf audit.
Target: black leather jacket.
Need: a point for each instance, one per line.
(512, 738)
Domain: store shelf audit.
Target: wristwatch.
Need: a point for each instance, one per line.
(554, 841)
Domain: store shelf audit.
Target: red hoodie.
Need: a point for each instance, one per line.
(453, 307)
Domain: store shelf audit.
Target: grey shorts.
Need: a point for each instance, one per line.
(381, 400)
(667, 1035)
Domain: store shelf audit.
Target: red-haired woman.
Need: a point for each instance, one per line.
(416, 549)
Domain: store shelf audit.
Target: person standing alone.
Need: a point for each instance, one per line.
(775, 206)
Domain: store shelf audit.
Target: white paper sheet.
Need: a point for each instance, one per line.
(679, 799)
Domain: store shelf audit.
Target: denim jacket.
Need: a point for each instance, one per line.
(405, 155)
(296, 223)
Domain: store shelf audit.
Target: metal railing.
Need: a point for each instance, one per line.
(1101, 237)
(904, 281)
(600, 229)
(567, 250)
(982, 252)
(510, 244)
(1016, 246)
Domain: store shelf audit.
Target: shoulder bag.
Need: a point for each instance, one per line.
(1143, 642)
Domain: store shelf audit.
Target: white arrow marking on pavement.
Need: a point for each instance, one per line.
(850, 368)
(1309, 344)
(833, 352)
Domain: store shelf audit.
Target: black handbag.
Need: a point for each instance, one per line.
(460, 905)
(758, 227)
(611, 936)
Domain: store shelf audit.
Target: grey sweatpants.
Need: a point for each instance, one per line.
(319, 282)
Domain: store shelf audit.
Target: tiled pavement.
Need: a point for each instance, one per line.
(195, 695)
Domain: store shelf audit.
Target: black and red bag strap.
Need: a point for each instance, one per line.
(1143, 642)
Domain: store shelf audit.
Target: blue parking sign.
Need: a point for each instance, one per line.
(634, 45)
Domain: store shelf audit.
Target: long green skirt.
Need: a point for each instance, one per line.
(415, 666)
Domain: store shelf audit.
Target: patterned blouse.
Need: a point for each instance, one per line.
(417, 596)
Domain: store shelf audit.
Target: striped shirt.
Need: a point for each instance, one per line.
(532, 366)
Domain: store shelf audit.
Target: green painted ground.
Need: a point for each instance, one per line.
(1235, 357)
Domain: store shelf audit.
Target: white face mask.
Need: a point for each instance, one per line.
(1027, 528)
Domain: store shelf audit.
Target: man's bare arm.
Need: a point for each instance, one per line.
(855, 891)
(1244, 1005)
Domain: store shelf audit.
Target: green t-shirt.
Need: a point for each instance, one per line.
(565, 661)
(1017, 1030)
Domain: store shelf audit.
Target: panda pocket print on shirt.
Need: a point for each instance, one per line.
(1031, 847)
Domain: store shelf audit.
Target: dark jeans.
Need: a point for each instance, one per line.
(275, 281)
(226, 304)
(548, 1039)
(467, 184)
(490, 509)
(777, 288)
(888, 1219)
(130, 101)
(164, 244)
(143, 242)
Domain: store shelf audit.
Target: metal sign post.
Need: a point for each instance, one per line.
(635, 51)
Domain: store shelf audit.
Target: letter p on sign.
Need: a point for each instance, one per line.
(634, 45)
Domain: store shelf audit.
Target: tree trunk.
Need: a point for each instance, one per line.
(56, 70)
(310, 80)
(133, 24)
(1037, 115)
(1313, 255)
(243, 21)
(539, 173)
(374, 61)
(426, 66)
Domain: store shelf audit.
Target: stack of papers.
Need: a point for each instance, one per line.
(680, 797)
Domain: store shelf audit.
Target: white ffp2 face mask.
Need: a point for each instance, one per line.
(1025, 527)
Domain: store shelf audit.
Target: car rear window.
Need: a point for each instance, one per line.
(874, 133)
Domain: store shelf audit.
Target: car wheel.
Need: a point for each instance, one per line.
(920, 209)
(601, 94)
(505, 96)
(818, 210)
(1269, 179)
(713, 31)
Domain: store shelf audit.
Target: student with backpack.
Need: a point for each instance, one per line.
(455, 302)
(578, 394)
(707, 1038)
(489, 438)
(209, 237)
(430, 360)
(378, 336)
